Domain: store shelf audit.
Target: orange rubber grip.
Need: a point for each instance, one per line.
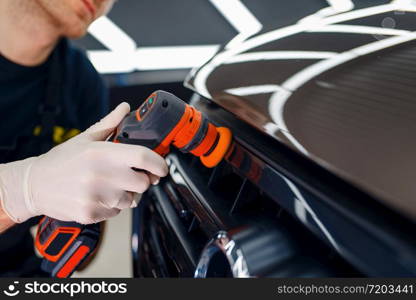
(67, 269)
(163, 147)
(207, 142)
(187, 133)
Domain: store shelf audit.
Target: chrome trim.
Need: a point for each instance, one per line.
(222, 242)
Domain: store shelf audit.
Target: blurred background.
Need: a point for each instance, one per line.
(143, 45)
(152, 44)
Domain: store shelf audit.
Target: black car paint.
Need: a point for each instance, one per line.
(363, 225)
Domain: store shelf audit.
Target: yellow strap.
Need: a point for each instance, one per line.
(60, 134)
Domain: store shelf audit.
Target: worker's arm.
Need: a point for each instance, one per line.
(85, 179)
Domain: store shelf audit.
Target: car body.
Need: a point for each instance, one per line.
(320, 179)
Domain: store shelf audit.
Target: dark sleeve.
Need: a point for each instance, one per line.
(89, 94)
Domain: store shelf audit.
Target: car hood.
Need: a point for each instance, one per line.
(338, 88)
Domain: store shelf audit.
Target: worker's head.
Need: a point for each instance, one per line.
(74, 16)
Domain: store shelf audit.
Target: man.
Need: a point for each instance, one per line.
(49, 92)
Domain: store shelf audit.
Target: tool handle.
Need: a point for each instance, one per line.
(153, 122)
(65, 245)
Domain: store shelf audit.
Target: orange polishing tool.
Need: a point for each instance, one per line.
(164, 120)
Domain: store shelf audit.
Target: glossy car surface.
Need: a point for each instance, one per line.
(320, 179)
(339, 89)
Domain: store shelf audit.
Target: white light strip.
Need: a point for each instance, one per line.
(360, 13)
(254, 90)
(341, 5)
(180, 57)
(298, 195)
(202, 74)
(383, 44)
(291, 30)
(278, 100)
(295, 142)
(278, 55)
(115, 39)
(335, 7)
(238, 39)
(125, 59)
(111, 36)
(239, 17)
(276, 109)
(237, 14)
(151, 58)
(111, 62)
(314, 70)
(359, 29)
(408, 4)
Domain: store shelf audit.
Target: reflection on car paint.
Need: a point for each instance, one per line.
(329, 224)
(257, 86)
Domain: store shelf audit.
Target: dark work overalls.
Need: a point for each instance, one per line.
(17, 256)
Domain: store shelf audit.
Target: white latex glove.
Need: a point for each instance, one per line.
(85, 179)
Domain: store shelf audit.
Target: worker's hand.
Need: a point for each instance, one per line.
(84, 179)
